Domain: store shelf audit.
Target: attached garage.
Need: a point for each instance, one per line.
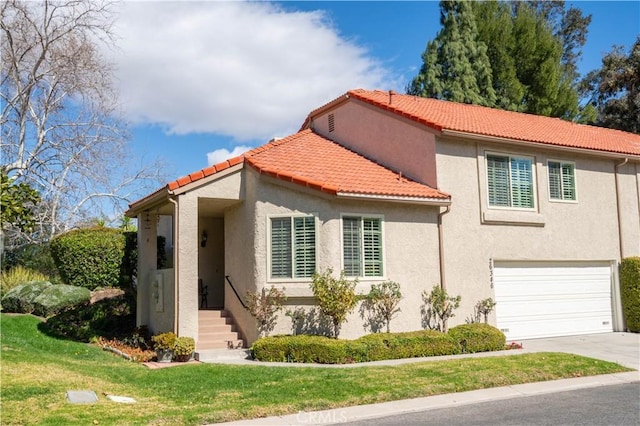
(535, 299)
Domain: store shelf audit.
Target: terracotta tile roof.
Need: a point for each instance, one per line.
(444, 115)
(308, 159)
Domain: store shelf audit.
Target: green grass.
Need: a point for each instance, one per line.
(37, 370)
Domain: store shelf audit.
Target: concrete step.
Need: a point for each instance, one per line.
(218, 324)
(219, 344)
(212, 313)
(220, 335)
(213, 355)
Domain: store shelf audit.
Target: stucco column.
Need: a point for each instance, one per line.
(187, 285)
(147, 247)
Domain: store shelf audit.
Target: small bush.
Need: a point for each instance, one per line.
(57, 298)
(19, 275)
(264, 307)
(630, 292)
(164, 341)
(89, 257)
(478, 337)
(373, 347)
(438, 308)
(21, 299)
(184, 348)
(336, 296)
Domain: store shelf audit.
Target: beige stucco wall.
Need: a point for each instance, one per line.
(475, 234)
(155, 294)
(629, 193)
(398, 143)
(410, 247)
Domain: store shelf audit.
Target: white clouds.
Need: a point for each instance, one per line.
(246, 70)
(222, 154)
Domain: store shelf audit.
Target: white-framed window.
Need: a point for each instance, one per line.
(510, 181)
(292, 247)
(362, 246)
(562, 180)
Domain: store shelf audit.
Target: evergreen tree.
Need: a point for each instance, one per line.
(455, 66)
(614, 89)
(518, 56)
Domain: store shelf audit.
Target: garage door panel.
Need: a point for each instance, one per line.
(538, 301)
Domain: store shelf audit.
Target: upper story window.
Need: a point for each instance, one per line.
(510, 181)
(562, 180)
(293, 247)
(362, 246)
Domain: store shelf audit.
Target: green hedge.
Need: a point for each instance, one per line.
(89, 258)
(373, 347)
(478, 337)
(630, 292)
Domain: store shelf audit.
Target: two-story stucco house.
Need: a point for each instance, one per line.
(534, 212)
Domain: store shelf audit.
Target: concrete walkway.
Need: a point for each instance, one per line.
(623, 348)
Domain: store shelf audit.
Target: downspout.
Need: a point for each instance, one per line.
(441, 247)
(617, 168)
(176, 258)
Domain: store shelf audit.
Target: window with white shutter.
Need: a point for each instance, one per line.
(562, 181)
(293, 247)
(510, 181)
(362, 247)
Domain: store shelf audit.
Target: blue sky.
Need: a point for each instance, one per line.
(201, 81)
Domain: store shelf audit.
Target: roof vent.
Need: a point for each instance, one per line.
(332, 123)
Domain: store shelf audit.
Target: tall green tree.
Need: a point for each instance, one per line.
(614, 89)
(455, 65)
(532, 50)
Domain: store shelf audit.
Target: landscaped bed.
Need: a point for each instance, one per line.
(38, 369)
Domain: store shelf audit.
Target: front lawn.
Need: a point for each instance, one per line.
(37, 370)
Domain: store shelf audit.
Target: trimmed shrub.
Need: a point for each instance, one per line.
(373, 347)
(19, 275)
(89, 257)
(630, 292)
(478, 337)
(57, 298)
(301, 348)
(21, 299)
(413, 344)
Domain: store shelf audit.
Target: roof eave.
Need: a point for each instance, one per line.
(154, 199)
(499, 139)
(425, 201)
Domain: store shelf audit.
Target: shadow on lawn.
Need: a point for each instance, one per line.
(110, 318)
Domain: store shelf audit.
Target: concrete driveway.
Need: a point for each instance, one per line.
(623, 348)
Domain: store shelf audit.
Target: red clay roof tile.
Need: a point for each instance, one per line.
(309, 159)
(474, 119)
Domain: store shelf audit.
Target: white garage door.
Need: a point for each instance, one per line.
(544, 300)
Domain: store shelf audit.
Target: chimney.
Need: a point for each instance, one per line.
(391, 93)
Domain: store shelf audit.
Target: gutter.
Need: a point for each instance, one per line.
(176, 258)
(443, 284)
(618, 207)
(441, 202)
